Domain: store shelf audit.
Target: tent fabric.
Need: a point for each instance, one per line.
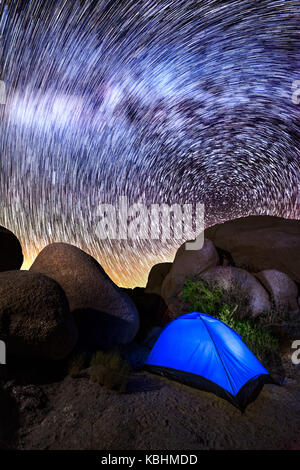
(203, 351)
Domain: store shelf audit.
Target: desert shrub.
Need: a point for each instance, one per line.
(77, 362)
(208, 297)
(201, 298)
(274, 317)
(260, 341)
(238, 298)
(213, 301)
(110, 369)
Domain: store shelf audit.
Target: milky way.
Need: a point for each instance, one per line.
(159, 101)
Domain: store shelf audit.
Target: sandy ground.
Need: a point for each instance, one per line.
(154, 414)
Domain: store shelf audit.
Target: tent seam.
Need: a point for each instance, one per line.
(218, 354)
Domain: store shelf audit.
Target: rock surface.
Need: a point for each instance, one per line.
(260, 242)
(281, 288)
(35, 320)
(156, 277)
(227, 277)
(152, 310)
(187, 263)
(105, 315)
(11, 256)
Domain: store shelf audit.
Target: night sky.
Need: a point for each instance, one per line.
(159, 101)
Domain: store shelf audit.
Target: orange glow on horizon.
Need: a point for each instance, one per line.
(135, 277)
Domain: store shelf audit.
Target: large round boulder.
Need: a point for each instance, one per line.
(35, 320)
(105, 315)
(187, 264)
(282, 289)
(260, 242)
(11, 256)
(239, 281)
(156, 277)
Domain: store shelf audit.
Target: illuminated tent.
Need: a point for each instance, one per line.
(203, 352)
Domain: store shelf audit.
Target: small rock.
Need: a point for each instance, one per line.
(29, 397)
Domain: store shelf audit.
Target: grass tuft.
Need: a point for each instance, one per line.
(77, 363)
(110, 370)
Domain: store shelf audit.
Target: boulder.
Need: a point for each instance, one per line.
(152, 310)
(156, 277)
(35, 320)
(281, 287)
(187, 264)
(258, 243)
(11, 256)
(105, 315)
(228, 277)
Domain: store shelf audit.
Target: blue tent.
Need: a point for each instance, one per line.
(201, 351)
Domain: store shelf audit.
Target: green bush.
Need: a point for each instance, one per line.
(202, 298)
(212, 300)
(260, 341)
(110, 369)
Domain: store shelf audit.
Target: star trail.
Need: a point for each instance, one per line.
(159, 101)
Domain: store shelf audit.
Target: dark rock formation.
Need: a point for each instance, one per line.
(152, 310)
(9, 420)
(35, 320)
(156, 277)
(11, 256)
(105, 315)
(187, 263)
(260, 242)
